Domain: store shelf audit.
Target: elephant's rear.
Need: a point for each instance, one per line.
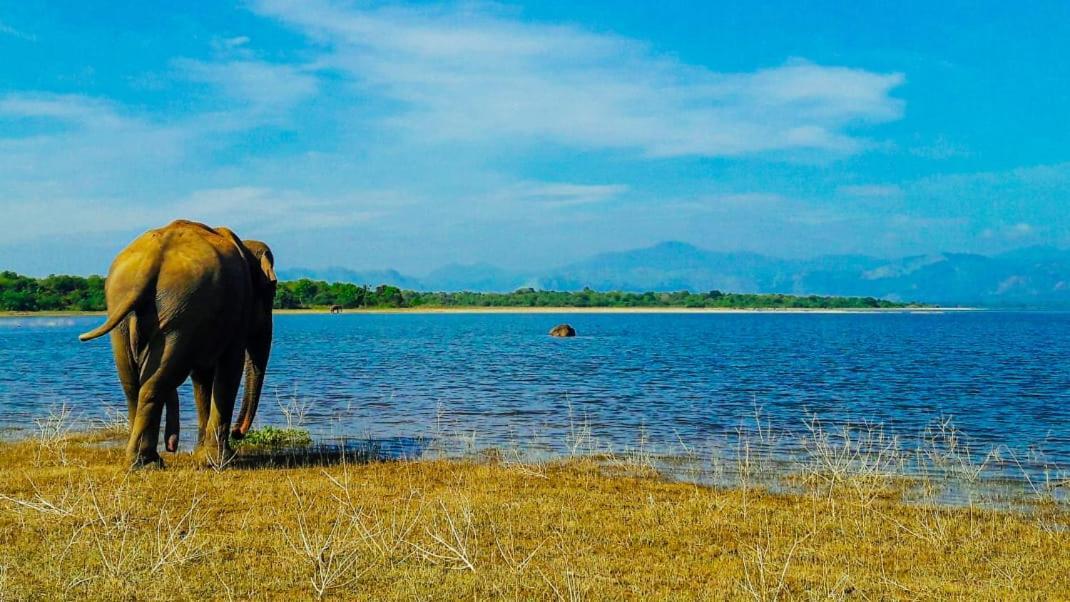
(202, 288)
(182, 278)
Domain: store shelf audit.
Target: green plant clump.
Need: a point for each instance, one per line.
(273, 437)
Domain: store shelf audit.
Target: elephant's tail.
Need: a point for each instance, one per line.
(120, 310)
(114, 318)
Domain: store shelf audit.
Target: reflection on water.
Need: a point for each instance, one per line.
(685, 380)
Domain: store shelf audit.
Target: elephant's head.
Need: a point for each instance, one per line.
(258, 346)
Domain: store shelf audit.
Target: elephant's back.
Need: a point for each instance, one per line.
(205, 266)
(196, 241)
(199, 252)
(184, 257)
(203, 284)
(186, 245)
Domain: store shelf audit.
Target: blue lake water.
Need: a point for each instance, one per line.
(1002, 377)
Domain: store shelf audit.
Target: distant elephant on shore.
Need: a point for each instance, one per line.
(184, 301)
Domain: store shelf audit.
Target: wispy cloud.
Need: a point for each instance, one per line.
(562, 194)
(1014, 191)
(65, 145)
(74, 144)
(231, 42)
(939, 149)
(264, 90)
(8, 30)
(871, 191)
(1021, 231)
(257, 209)
(464, 75)
(270, 211)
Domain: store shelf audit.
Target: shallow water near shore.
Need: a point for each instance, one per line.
(666, 383)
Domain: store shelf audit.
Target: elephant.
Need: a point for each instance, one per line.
(187, 300)
(563, 330)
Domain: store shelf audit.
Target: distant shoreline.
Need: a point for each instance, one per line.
(619, 310)
(552, 310)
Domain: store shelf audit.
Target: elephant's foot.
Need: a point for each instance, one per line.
(213, 457)
(146, 460)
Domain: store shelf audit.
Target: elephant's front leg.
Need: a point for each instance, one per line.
(215, 449)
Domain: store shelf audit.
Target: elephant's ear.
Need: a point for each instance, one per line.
(267, 266)
(262, 265)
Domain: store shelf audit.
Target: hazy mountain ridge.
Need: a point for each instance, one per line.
(1035, 276)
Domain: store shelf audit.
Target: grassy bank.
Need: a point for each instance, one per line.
(73, 523)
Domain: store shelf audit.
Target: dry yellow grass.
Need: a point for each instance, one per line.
(74, 524)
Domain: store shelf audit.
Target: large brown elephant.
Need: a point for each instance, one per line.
(184, 301)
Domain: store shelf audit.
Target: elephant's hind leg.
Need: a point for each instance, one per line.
(160, 376)
(126, 367)
(215, 449)
(145, 428)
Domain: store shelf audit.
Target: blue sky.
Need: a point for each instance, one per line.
(528, 135)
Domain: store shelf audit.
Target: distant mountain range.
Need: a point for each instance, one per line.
(1030, 277)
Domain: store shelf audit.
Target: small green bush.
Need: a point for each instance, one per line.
(270, 436)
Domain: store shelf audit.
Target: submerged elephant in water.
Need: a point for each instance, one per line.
(563, 330)
(184, 301)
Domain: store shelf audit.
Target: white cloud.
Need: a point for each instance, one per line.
(247, 209)
(72, 144)
(1051, 176)
(561, 194)
(871, 191)
(268, 211)
(234, 42)
(1022, 229)
(264, 89)
(1018, 232)
(86, 144)
(72, 109)
(8, 30)
(941, 148)
(468, 76)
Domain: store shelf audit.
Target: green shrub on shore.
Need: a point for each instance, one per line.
(273, 437)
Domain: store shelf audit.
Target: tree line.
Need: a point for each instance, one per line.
(54, 293)
(64, 293)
